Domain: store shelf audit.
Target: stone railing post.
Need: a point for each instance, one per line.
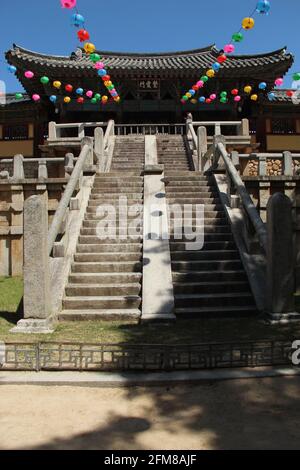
(90, 158)
(244, 128)
(19, 167)
(52, 131)
(37, 310)
(280, 258)
(287, 164)
(69, 163)
(42, 170)
(217, 139)
(99, 145)
(201, 146)
(262, 164)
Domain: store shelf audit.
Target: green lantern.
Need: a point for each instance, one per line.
(97, 96)
(18, 96)
(45, 80)
(95, 57)
(204, 78)
(296, 76)
(237, 37)
(94, 100)
(223, 100)
(223, 94)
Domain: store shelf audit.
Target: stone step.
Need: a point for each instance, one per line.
(205, 255)
(118, 184)
(109, 248)
(117, 179)
(92, 240)
(121, 223)
(216, 312)
(104, 267)
(86, 290)
(192, 189)
(111, 232)
(105, 278)
(210, 275)
(120, 174)
(117, 201)
(95, 302)
(238, 299)
(131, 217)
(211, 287)
(206, 229)
(106, 257)
(101, 314)
(200, 221)
(194, 200)
(180, 246)
(208, 237)
(201, 265)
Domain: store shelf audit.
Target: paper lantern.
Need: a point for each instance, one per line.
(104, 99)
(223, 100)
(89, 94)
(237, 99)
(95, 57)
(213, 96)
(263, 7)
(216, 66)
(229, 48)
(83, 35)
(18, 96)
(53, 98)
(188, 95)
(79, 91)
(77, 20)
(69, 4)
(99, 65)
(195, 87)
(57, 84)
(89, 48)
(254, 97)
(193, 101)
(208, 101)
(94, 101)
(235, 92)
(296, 76)
(223, 94)
(97, 96)
(200, 84)
(202, 99)
(12, 69)
(262, 86)
(210, 73)
(237, 37)
(102, 72)
(289, 93)
(248, 23)
(67, 99)
(279, 81)
(29, 74)
(69, 88)
(44, 80)
(271, 96)
(222, 58)
(248, 89)
(36, 97)
(80, 100)
(204, 79)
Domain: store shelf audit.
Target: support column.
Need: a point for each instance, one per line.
(16, 229)
(37, 310)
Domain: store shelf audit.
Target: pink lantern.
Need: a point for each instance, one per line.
(229, 48)
(89, 94)
(29, 74)
(213, 97)
(279, 81)
(99, 65)
(237, 99)
(36, 97)
(69, 4)
(200, 84)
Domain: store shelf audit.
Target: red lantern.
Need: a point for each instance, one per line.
(83, 35)
(222, 58)
(195, 87)
(80, 100)
(69, 88)
(289, 93)
(208, 101)
(235, 92)
(106, 78)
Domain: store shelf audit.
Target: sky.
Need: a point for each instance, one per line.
(147, 26)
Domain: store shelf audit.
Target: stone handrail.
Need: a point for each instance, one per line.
(150, 129)
(242, 126)
(65, 200)
(55, 130)
(246, 200)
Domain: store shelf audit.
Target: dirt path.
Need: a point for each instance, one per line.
(236, 414)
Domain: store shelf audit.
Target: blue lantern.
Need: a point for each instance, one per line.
(202, 99)
(79, 91)
(102, 72)
(262, 86)
(192, 92)
(271, 96)
(78, 20)
(216, 66)
(12, 69)
(53, 98)
(263, 7)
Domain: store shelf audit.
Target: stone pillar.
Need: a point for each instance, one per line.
(16, 229)
(69, 163)
(262, 164)
(43, 170)
(202, 147)
(89, 161)
(263, 198)
(280, 258)
(18, 167)
(287, 164)
(37, 310)
(99, 146)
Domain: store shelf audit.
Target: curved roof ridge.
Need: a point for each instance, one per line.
(282, 50)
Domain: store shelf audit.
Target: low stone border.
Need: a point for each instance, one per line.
(52, 356)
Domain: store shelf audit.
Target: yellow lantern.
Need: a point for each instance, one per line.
(193, 101)
(67, 99)
(254, 97)
(248, 89)
(210, 73)
(248, 23)
(89, 48)
(188, 95)
(57, 84)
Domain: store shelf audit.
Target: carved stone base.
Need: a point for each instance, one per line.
(32, 326)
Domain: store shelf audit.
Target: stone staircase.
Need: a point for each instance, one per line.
(106, 275)
(210, 282)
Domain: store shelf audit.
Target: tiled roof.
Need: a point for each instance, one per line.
(281, 97)
(193, 60)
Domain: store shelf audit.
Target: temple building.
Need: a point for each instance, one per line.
(150, 86)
